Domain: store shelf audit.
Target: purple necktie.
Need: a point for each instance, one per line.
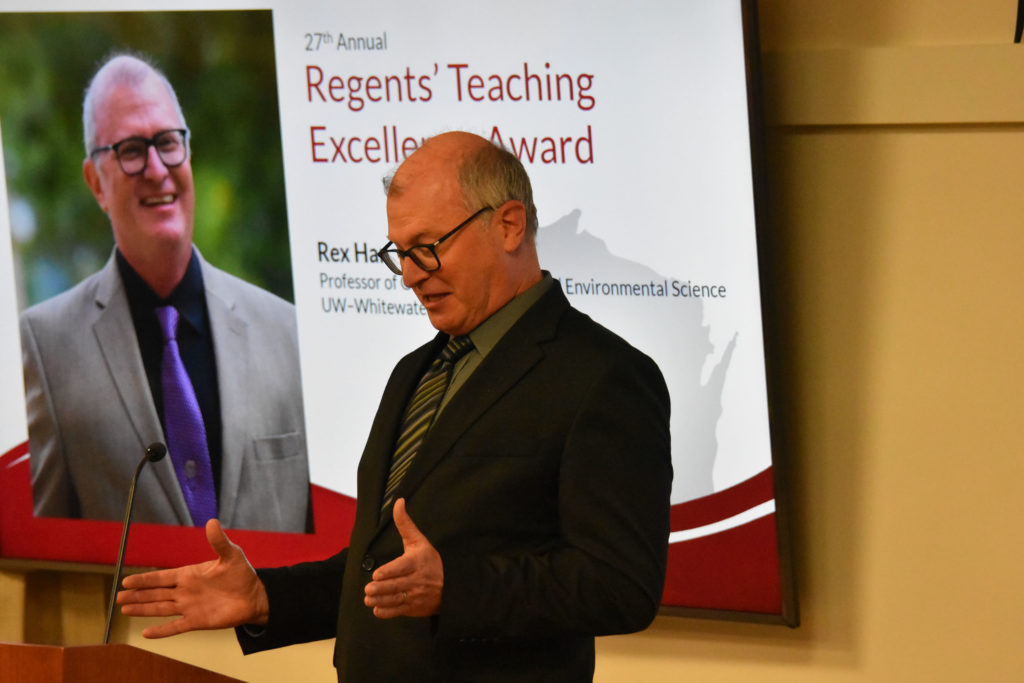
(186, 434)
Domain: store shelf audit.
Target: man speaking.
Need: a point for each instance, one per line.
(513, 494)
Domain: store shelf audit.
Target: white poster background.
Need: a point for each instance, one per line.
(665, 197)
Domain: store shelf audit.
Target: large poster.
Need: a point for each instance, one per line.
(633, 123)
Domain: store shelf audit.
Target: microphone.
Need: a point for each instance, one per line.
(154, 452)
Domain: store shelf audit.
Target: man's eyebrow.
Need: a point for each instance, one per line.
(417, 239)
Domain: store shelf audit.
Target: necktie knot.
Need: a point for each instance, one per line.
(168, 317)
(456, 348)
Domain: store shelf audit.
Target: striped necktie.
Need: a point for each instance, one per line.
(183, 424)
(420, 412)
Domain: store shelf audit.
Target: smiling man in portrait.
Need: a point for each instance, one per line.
(159, 345)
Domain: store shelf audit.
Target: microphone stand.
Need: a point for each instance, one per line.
(154, 452)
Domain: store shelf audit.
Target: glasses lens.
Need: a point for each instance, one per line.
(170, 145)
(424, 257)
(131, 154)
(391, 260)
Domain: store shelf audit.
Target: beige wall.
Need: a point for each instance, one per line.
(896, 154)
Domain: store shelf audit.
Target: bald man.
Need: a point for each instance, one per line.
(94, 357)
(533, 514)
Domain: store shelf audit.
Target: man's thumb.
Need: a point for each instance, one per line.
(407, 529)
(218, 540)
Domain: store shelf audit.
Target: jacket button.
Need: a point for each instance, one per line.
(368, 563)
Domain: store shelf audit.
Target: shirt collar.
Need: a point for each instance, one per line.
(188, 297)
(487, 334)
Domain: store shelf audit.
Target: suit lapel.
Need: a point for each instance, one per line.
(376, 462)
(115, 335)
(512, 358)
(231, 350)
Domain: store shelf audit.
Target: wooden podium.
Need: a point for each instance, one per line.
(96, 664)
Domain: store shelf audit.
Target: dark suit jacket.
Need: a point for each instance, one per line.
(544, 485)
(91, 413)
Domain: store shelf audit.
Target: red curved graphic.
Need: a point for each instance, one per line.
(153, 545)
(736, 569)
(724, 504)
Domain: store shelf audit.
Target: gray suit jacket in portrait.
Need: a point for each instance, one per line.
(91, 413)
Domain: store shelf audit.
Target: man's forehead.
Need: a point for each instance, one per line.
(425, 192)
(424, 184)
(416, 218)
(418, 209)
(119, 99)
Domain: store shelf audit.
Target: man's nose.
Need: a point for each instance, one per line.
(155, 167)
(412, 274)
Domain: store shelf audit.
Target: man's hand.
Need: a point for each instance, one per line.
(410, 585)
(221, 593)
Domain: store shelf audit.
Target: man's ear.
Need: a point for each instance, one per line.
(92, 179)
(512, 218)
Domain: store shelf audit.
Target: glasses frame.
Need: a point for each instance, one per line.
(395, 266)
(149, 142)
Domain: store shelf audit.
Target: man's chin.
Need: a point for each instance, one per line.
(442, 316)
(169, 233)
(436, 321)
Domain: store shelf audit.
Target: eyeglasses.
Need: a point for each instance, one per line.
(423, 255)
(133, 153)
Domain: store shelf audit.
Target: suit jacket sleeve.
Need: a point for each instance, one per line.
(53, 491)
(303, 601)
(606, 572)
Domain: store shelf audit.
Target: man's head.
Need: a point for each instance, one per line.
(151, 211)
(489, 260)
